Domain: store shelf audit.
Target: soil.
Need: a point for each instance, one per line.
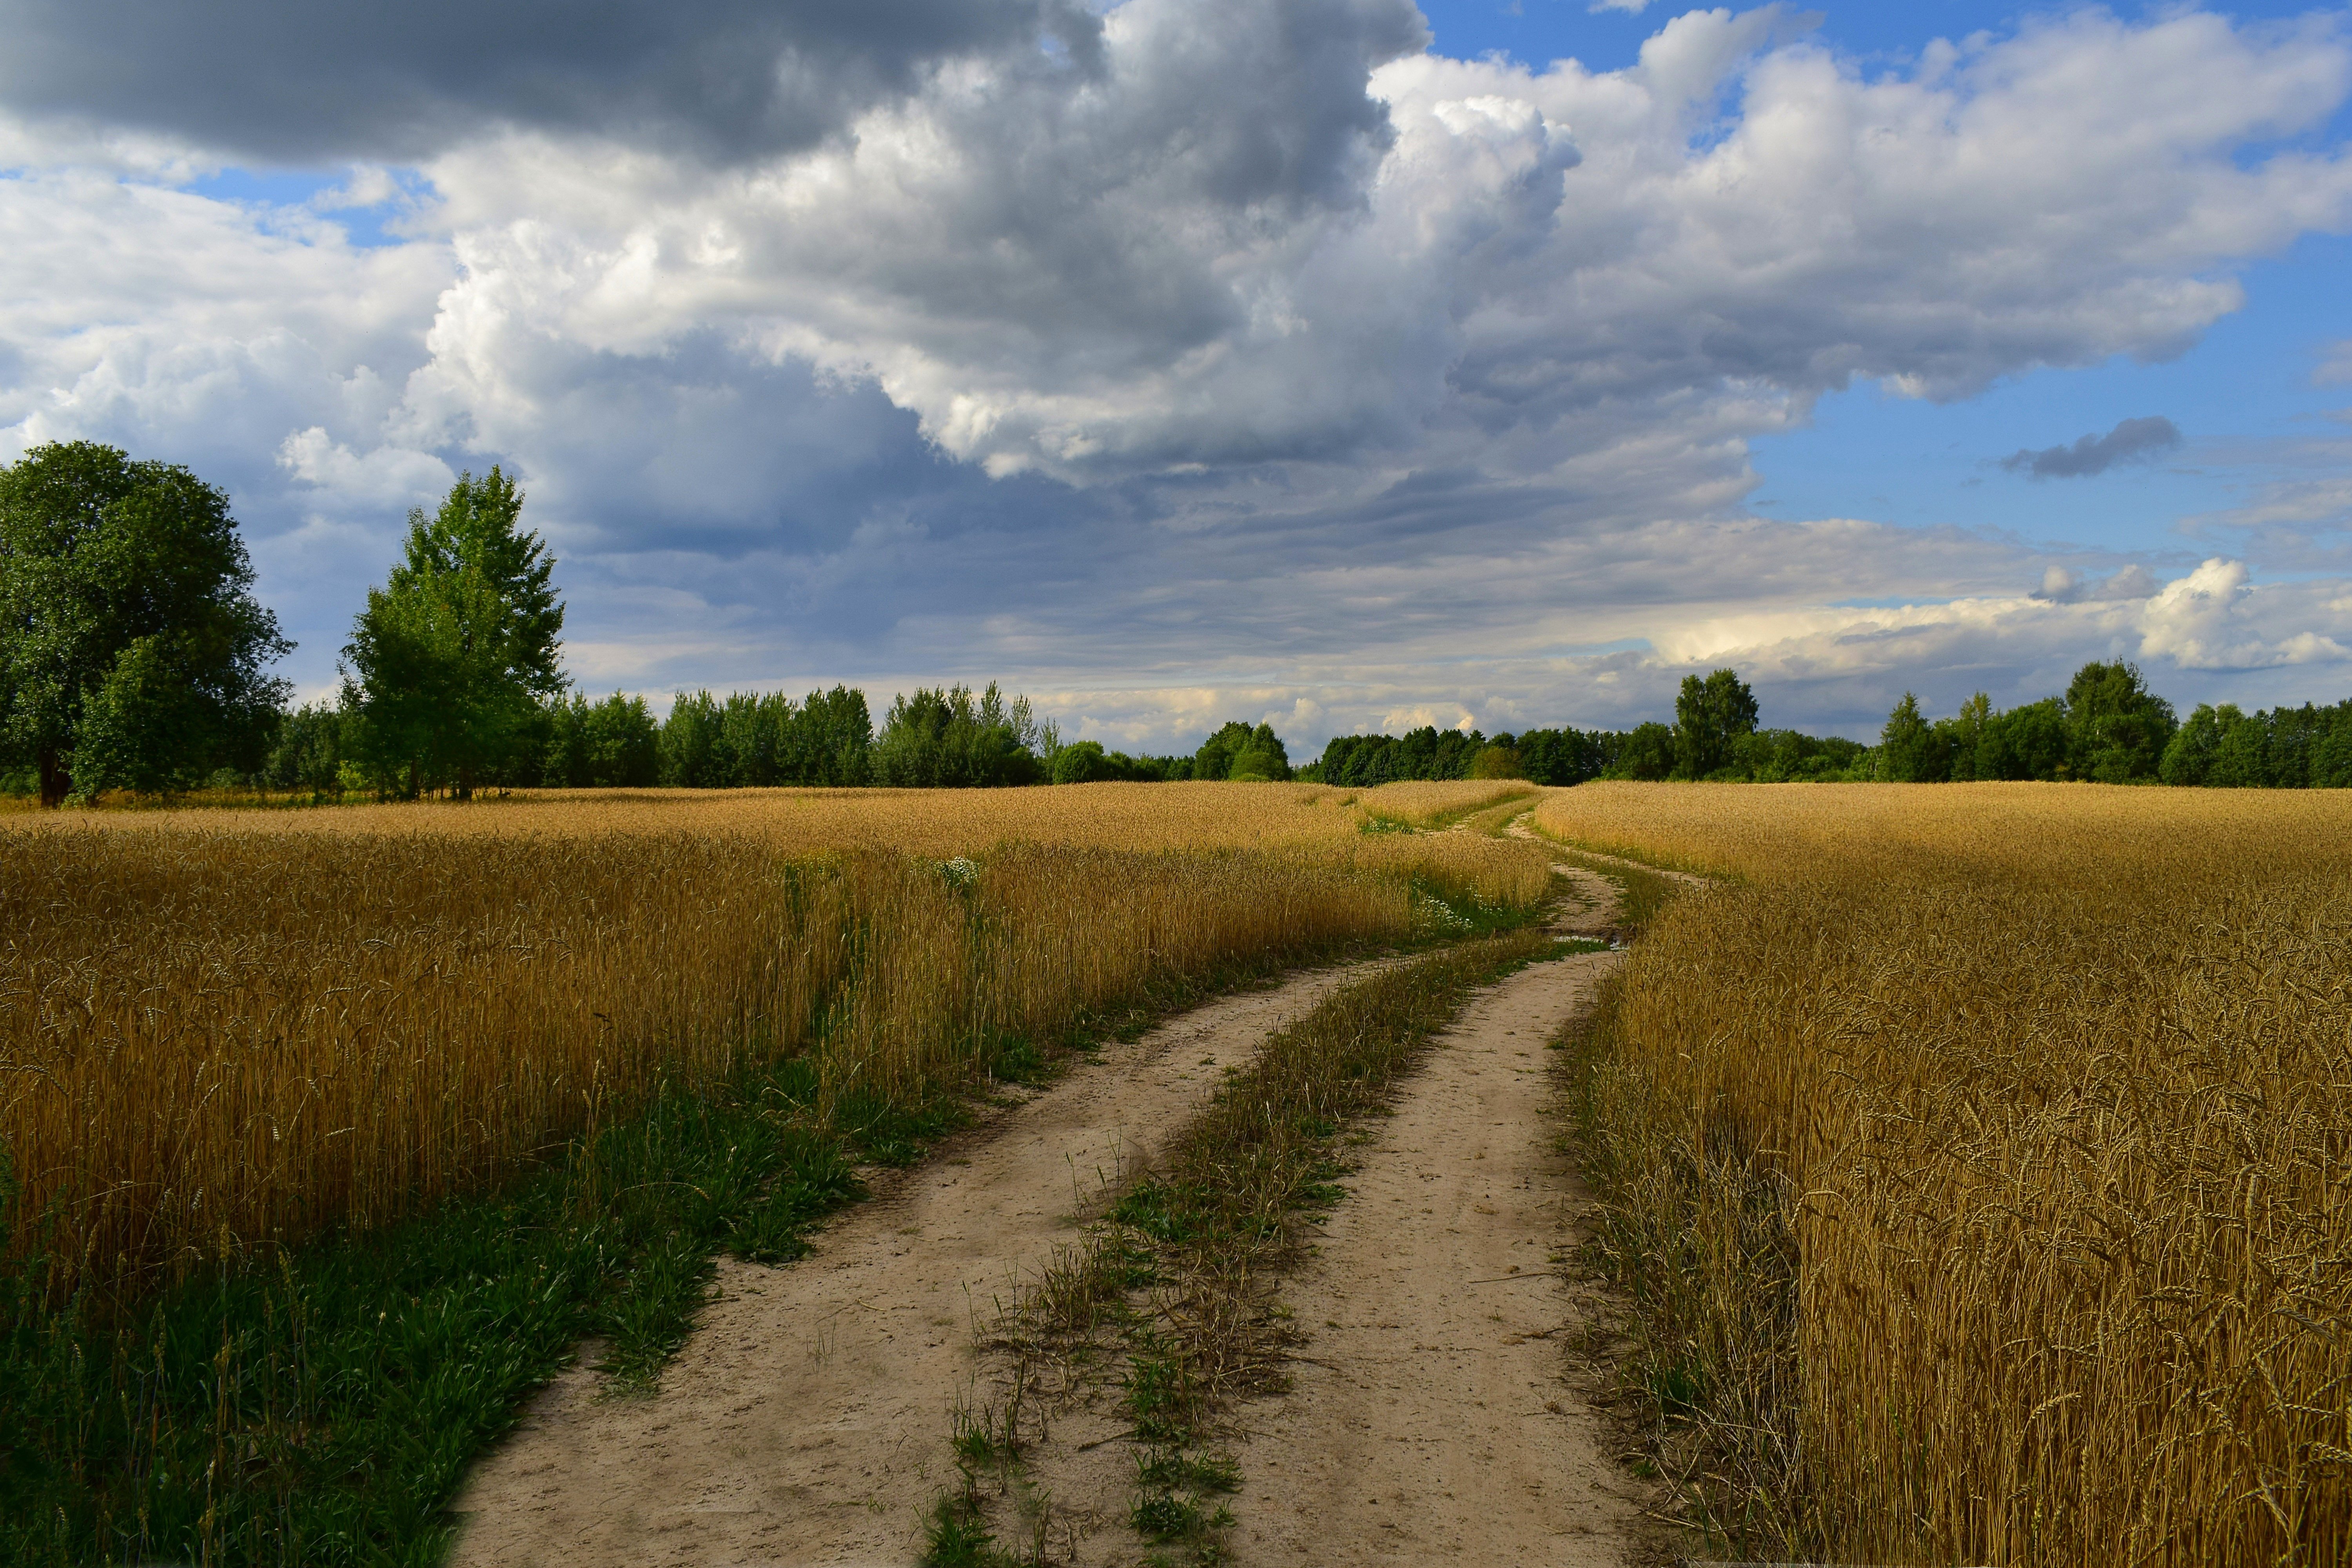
(807, 1419)
(1438, 1411)
(1441, 1399)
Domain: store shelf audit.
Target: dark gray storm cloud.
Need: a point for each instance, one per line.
(296, 80)
(2133, 440)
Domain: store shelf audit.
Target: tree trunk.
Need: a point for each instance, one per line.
(55, 782)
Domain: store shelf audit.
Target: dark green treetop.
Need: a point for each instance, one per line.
(132, 648)
(2117, 728)
(1710, 716)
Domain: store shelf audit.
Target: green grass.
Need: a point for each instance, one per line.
(1640, 892)
(322, 1407)
(322, 1410)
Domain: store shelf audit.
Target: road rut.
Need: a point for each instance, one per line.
(807, 1418)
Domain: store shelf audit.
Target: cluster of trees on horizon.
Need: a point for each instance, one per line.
(135, 659)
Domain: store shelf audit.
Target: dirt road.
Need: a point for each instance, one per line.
(1431, 1419)
(807, 1419)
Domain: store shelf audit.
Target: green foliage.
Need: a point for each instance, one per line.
(2117, 728)
(1262, 758)
(452, 663)
(1083, 761)
(612, 744)
(308, 751)
(133, 649)
(949, 738)
(2108, 727)
(1365, 761)
(2283, 748)
(1710, 717)
(1789, 756)
(2028, 742)
(321, 1409)
(1649, 754)
(1496, 762)
(1240, 752)
(1565, 756)
(1910, 750)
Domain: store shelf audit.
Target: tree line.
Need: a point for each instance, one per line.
(2107, 727)
(135, 658)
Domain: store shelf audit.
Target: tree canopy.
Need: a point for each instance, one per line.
(450, 664)
(134, 652)
(1710, 718)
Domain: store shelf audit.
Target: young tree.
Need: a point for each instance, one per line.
(132, 648)
(693, 743)
(448, 665)
(1710, 716)
(307, 752)
(2028, 742)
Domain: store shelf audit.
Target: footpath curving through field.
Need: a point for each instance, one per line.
(1432, 1418)
(807, 1419)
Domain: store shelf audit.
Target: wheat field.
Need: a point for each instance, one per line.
(1982, 1156)
(222, 1031)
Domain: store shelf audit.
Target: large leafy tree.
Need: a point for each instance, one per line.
(2117, 728)
(450, 664)
(951, 737)
(131, 649)
(1710, 717)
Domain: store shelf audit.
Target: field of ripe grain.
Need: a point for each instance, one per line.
(1981, 1158)
(224, 1030)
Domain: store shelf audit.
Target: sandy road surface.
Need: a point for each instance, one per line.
(1433, 1417)
(1434, 1414)
(807, 1419)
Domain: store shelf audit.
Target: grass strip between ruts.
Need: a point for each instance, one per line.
(1180, 1275)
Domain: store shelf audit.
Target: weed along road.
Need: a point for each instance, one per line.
(1429, 1413)
(807, 1420)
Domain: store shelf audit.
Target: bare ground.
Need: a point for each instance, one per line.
(807, 1419)
(1436, 1412)
(1439, 1407)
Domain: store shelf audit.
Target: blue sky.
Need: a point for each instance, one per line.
(2247, 383)
(1187, 360)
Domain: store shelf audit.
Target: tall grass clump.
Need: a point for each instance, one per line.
(1979, 1160)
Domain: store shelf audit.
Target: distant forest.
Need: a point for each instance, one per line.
(2107, 727)
(135, 658)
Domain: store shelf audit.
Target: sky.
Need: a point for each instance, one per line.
(1335, 363)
